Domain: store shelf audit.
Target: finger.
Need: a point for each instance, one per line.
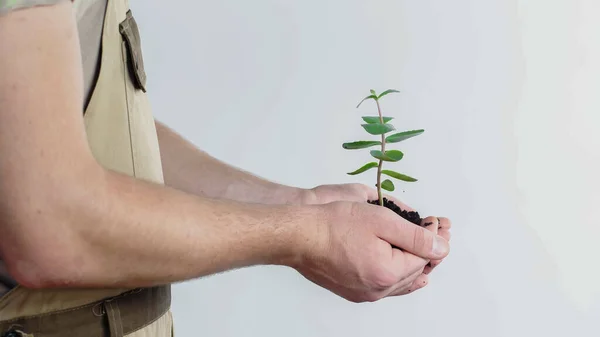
(431, 223)
(434, 225)
(443, 231)
(403, 284)
(407, 280)
(445, 224)
(445, 234)
(420, 241)
(404, 264)
(419, 277)
(431, 266)
(420, 282)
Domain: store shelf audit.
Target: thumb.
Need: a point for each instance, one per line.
(431, 224)
(420, 241)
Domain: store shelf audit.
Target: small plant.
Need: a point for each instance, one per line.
(380, 126)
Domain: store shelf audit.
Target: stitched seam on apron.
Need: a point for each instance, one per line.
(124, 59)
(49, 313)
(9, 294)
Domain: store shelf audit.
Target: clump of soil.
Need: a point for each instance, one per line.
(411, 216)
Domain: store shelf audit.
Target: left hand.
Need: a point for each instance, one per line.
(324, 194)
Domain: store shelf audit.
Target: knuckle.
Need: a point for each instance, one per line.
(373, 297)
(354, 209)
(354, 298)
(356, 186)
(445, 222)
(384, 279)
(362, 297)
(421, 240)
(445, 234)
(341, 209)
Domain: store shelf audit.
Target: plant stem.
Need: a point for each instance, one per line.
(379, 195)
(380, 161)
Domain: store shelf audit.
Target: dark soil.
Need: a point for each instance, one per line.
(411, 216)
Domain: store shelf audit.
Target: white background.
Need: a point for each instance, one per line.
(509, 94)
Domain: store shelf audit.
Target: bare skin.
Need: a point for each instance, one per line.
(194, 171)
(65, 221)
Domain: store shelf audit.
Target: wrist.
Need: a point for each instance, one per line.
(301, 232)
(293, 196)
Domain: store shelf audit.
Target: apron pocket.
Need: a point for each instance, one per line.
(131, 35)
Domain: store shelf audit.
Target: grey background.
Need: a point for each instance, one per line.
(508, 94)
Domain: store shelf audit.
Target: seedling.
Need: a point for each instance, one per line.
(380, 126)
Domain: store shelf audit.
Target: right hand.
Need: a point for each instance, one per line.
(350, 252)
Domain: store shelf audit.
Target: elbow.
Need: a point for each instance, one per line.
(42, 242)
(41, 260)
(38, 266)
(34, 274)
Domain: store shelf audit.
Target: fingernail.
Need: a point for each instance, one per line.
(440, 246)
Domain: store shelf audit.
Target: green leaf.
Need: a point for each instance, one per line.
(366, 98)
(388, 185)
(398, 176)
(373, 92)
(392, 155)
(378, 129)
(363, 144)
(364, 168)
(376, 119)
(387, 92)
(398, 137)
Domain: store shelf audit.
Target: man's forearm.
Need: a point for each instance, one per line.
(143, 234)
(190, 169)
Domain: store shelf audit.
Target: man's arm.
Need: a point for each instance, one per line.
(65, 220)
(192, 170)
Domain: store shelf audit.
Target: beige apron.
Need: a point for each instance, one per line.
(122, 135)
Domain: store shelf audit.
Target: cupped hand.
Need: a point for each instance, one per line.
(349, 250)
(355, 192)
